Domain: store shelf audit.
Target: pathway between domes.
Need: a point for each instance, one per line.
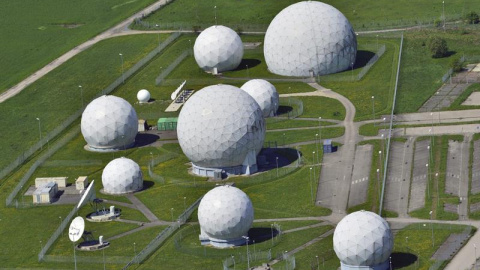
(336, 174)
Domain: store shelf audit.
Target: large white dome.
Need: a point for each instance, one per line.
(219, 125)
(225, 213)
(122, 175)
(218, 46)
(109, 122)
(264, 94)
(363, 238)
(309, 36)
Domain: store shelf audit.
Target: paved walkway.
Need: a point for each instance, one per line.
(142, 208)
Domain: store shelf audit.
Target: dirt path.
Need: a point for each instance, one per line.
(119, 29)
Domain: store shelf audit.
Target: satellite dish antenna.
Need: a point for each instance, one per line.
(76, 229)
(88, 196)
(175, 93)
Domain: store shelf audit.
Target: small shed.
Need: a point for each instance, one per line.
(328, 147)
(142, 125)
(167, 123)
(46, 193)
(42, 181)
(81, 183)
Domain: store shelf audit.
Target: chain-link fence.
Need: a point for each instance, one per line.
(51, 150)
(139, 23)
(87, 259)
(172, 66)
(261, 241)
(56, 234)
(371, 62)
(231, 262)
(67, 122)
(162, 236)
(156, 177)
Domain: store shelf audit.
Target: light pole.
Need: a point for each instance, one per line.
(406, 240)
(438, 191)
(377, 42)
(428, 182)
(373, 109)
(123, 74)
(233, 258)
(443, 4)
(185, 203)
(135, 251)
(215, 8)
(276, 159)
(40, 132)
(431, 225)
(431, 114)
(248, 255)
(61, 224)
(320, 127)
(271, 229)
(283, 136)
(81, 93)
(156, 25)
(316, 143)
(352, 71)
(171, 211)
(311, 185)
(475, 247)
(378, 182)
(248, 73)
(318, 263)
(151, 161)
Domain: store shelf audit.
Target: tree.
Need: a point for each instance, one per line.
(438, 47)
(472, 18)
(457, 64)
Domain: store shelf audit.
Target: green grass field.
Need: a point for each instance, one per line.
(363, 15)
(30, 39)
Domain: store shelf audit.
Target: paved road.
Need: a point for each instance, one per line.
(419, 175)
(114, 31)
(337, 176)
(361, 175)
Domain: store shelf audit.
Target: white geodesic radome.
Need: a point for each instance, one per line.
(143, 96)
(225, 215)
(265, 94)
(309, 36)
(122, 175)
(109, 123)
(221, 127)
(363, 238)
(218, 47)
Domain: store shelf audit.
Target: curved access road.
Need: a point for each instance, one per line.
(114, 31)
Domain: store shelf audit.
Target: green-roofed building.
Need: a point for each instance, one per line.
(167, 123)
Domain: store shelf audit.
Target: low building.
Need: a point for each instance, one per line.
(46, 193)
(142, 125)
(81, 183)
(42, 181)
(167, 123)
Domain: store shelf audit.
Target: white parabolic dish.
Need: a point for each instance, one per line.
(76, 229)
(89, 195)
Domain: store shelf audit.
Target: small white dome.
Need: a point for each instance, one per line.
(309, 36)
(109, 122)
(363, 238)
(225, 213)
(143, 96)
(264, 94)
(122, 175)
(218, 46)
(219, 125)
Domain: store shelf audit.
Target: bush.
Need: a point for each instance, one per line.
(472, 18)
(438, 47)
(437, 22)
(457, 64)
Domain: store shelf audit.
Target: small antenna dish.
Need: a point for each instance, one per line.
(175, 93)
(88, 196)
(76, 229)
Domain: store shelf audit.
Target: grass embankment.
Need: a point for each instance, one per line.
(31, 40)
(419, 82)
(365, 15)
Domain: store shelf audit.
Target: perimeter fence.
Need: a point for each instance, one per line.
(260, 243)
(172, 66)
(162, 236)
(45, 140)
(371, 62)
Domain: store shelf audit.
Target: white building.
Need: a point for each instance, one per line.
(309, 38)
(122, 175)
(265, 94)
(109, 123)
(221, 130)
(218, 47)
(363, 240)
(225, 215)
